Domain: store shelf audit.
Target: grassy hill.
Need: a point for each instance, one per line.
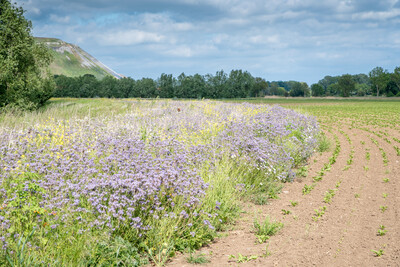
(71, 60)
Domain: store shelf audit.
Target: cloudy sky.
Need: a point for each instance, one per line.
(301, 40)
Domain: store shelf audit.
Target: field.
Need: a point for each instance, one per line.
(129, 182)
(343, 207)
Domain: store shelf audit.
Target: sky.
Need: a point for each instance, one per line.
(302, 40)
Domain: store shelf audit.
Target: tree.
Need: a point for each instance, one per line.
(317, 90)
(391, 89)
(166, 85)
(379, 78)
(260, 87)
(328, 80)
(346, 85)
(300, 89)
(24, 83)
(395, 76)
(332, 89)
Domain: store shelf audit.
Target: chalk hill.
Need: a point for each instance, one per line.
(71, 60)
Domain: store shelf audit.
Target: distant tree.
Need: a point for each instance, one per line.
(260, 87)
(274, 88)
(346, 85)
(395, 76)
(24, 81)
(300, 89)
(362, 89)
(107, 87)
(328, 80)
(333, 89)
(240, 83)
(217, 85)
(317, 90)
(361, 79)
(391, 89)
(165, 85)
(146, 88)
(125, 87)
(379, 78)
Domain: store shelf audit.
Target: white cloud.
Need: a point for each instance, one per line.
(380, 15)
(60, 19)
(130, 37)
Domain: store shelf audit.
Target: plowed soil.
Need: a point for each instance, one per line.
(365, 180)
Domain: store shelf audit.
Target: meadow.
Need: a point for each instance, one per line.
(106, 182)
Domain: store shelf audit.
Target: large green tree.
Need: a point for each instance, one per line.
(379, 78)
(346, 85)
(24, 81)
(317, 90)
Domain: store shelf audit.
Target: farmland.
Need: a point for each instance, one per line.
(102, 182)
(342, 208)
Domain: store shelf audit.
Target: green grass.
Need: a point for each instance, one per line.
(265, 229)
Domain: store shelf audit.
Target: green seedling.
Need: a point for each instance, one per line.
(366, 168)
(385, 180)
(241, 258)
(381, 230)
(286, 212)
(294, 203)
(319, 212)
(384, 195)
(383, 208)
(303, 171)
(357, 195)
(368, 155)
(378, 253)
(307, 189)
(266, 229)
(329, 195)
(267, 252)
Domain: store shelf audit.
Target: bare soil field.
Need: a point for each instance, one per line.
(344, 214)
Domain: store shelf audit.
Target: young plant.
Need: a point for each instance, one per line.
(294, 203)
(329, 195)
(381, 230)
(383, 208)
(266, 229)
(241, 258)
(378, 253)
(197, 259)
(286, 212)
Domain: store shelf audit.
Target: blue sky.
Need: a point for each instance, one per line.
(301, 40)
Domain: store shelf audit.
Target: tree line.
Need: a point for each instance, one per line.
(378, 82)
(236, 84)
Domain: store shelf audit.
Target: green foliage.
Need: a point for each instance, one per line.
(323, 143)
(300, 89)
(116, 252)
(379, 79)
(24, 82)
(346, 85)
(381, 230)
(317, 90)
(264, 230)
(197, 259)
(378, 253)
